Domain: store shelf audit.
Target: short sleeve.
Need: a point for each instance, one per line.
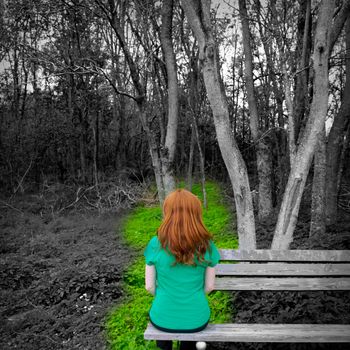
(214, 255)
(151, 251)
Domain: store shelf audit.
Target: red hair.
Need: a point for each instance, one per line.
(182, 230)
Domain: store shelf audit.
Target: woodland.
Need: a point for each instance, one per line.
(106, 103)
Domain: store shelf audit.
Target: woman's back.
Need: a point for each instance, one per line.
(180, 302)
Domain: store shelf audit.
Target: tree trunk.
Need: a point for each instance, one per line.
(168, 151)
(318, 222)
(335, 140)
(263, 153)
(288, 214)
(82, 145)
(201, 159)
(95, 132)
(190, 161)
(301, 87)
(198, 14)
(119, 108)
(162, 157)
(195, 111)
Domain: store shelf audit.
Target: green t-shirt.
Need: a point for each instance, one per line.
(180, 302)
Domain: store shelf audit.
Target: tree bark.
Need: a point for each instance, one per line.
(263, 154)
(318, 222)
(198, 14)
(168, 151)
(201, 160)
(190, 160)
(338, 23)
(301, 87)
(335, 140)
(288, 214)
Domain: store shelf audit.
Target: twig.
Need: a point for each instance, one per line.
(12, 207)
(21, 181)
(77, 199)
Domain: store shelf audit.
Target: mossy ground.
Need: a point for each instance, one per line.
(126, 323)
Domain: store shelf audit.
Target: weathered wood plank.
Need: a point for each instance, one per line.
(286, 255)
(282, 269)
(278, 283)
(271, 333)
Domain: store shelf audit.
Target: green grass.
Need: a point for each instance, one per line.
(126, 323)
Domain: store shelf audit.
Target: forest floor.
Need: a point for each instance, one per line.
(59, 274)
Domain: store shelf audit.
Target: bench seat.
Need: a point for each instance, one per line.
(271, 270)
(260, 333)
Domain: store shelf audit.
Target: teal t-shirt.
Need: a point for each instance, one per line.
(180, 302)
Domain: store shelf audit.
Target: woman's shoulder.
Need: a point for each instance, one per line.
(211, 244)
(154, 240)
(212, 255)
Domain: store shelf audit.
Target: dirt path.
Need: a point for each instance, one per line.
(58, 276)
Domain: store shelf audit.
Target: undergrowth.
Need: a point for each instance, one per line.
(125, 324)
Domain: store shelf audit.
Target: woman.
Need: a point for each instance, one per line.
(180, 268)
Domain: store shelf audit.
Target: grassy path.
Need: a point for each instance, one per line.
(126, 323)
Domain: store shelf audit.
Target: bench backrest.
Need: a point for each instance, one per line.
(283, 270)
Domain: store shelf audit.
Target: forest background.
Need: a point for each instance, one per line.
(100, 98)
(101, 91)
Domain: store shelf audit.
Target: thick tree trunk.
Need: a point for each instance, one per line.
(301, 86)
(288, 214)
(263, 152)
(198, 14)
(168, 151)
(335, 141)
(318, 222)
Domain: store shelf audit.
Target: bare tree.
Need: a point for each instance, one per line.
(335, 139)
(301, 163)
(198, 15)
(168, 151)
(263, 153)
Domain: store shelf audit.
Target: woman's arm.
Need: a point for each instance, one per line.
(209, 279)
(150, 279)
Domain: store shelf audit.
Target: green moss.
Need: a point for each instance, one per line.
(126, 323)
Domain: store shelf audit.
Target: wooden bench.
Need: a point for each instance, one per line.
(269, 270)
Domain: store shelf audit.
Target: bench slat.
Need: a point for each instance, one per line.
(278, 283)
(286, 255)
(282, 269)
(272, 333)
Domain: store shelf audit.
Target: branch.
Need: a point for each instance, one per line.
(338, 24)
(10, 206)
(24, 175)
(123, 93)
(289, 104)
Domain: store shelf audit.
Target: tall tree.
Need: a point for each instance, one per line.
(168, 151)
(198, 15)
(162, 153)
(301, 162)
(263, 153)
(335, 139)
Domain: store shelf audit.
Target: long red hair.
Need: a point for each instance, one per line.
(182, 230)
